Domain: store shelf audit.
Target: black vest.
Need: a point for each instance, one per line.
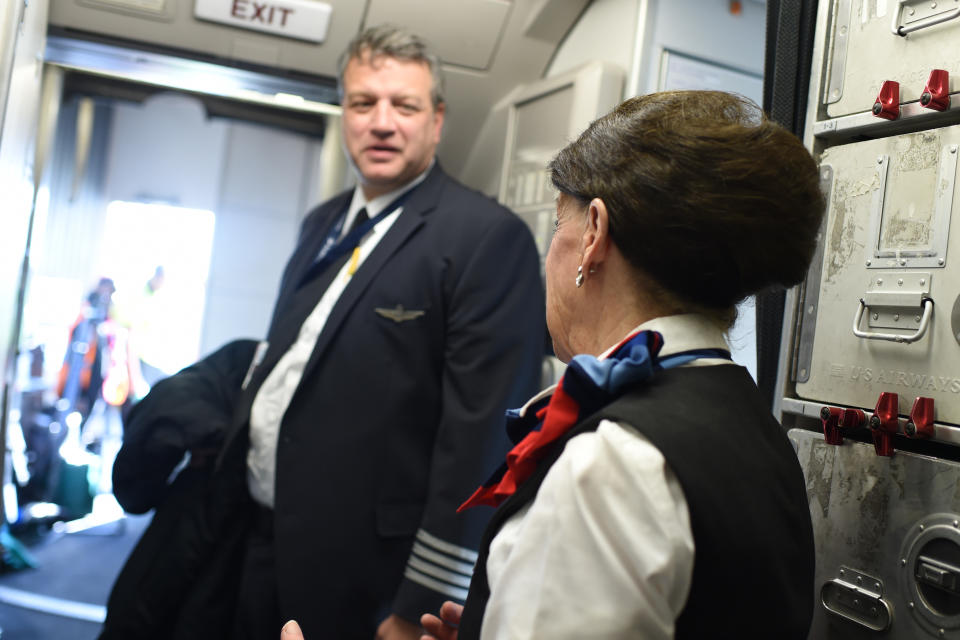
(754, 555)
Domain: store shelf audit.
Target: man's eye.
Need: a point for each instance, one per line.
(556, 224)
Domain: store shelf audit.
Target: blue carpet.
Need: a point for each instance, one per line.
(78, 567)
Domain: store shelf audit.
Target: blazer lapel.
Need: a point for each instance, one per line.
(307, 249)
(415, 210)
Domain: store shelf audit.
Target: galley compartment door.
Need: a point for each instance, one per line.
(887, 313)
(887, 532)
(863, 51)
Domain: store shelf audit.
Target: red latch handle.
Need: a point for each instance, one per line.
(830, 417)
(920, 424)
(936, 95)
(884, 422)
(852, 418)
(887, 104)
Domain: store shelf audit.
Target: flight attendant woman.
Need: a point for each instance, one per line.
(651, 494)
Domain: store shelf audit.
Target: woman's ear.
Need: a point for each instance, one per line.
(596, 236)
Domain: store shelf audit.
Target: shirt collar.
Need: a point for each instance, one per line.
(376, 205)
(682, 332)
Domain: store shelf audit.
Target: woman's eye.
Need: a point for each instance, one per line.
(556, 225)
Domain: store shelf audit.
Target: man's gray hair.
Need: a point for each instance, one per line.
(395, 42)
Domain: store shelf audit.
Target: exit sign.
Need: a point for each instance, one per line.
(300, 19)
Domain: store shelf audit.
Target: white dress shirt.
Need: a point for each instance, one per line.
(273, 397)
(605, 551)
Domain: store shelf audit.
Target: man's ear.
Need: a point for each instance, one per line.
(596, 236)
(438, 113)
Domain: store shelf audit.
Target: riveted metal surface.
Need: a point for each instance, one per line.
(888, 220)
(869, 513)
(872, 53)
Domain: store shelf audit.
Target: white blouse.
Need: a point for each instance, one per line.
(605, 551)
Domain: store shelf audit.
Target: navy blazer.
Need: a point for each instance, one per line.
(399, 414)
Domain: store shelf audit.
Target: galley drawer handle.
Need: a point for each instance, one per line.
(857, 605)
(893, 337)
(900, 30)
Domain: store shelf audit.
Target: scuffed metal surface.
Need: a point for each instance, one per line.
(873, 54)
(917, 152)
(866, 235)
(845, 226)
(910, 202)
(863, 507)
(819, 475)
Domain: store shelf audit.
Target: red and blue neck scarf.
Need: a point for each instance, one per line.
(587, 385)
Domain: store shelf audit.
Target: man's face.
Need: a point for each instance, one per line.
(390, 126)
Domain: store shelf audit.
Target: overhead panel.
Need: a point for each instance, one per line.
(156, 9)
(97, 59)
(462, 32)
(281, 34)
(549, 20)
(488, 46)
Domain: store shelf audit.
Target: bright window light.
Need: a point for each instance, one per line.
(138, 238)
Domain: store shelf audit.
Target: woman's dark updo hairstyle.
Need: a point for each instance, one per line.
(705, 194)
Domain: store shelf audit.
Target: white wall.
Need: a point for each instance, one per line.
(606, 31)
(262, 199)
(609, 30)
(705, 29)
(165, 149)
(257, 180)
(22, 33)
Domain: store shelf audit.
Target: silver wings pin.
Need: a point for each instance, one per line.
(398, 313)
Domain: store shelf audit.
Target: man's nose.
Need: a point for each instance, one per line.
(383, 118)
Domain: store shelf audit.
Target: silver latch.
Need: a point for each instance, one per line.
(938, 574)
(895, 300)
(919, 14)
(857, 597)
